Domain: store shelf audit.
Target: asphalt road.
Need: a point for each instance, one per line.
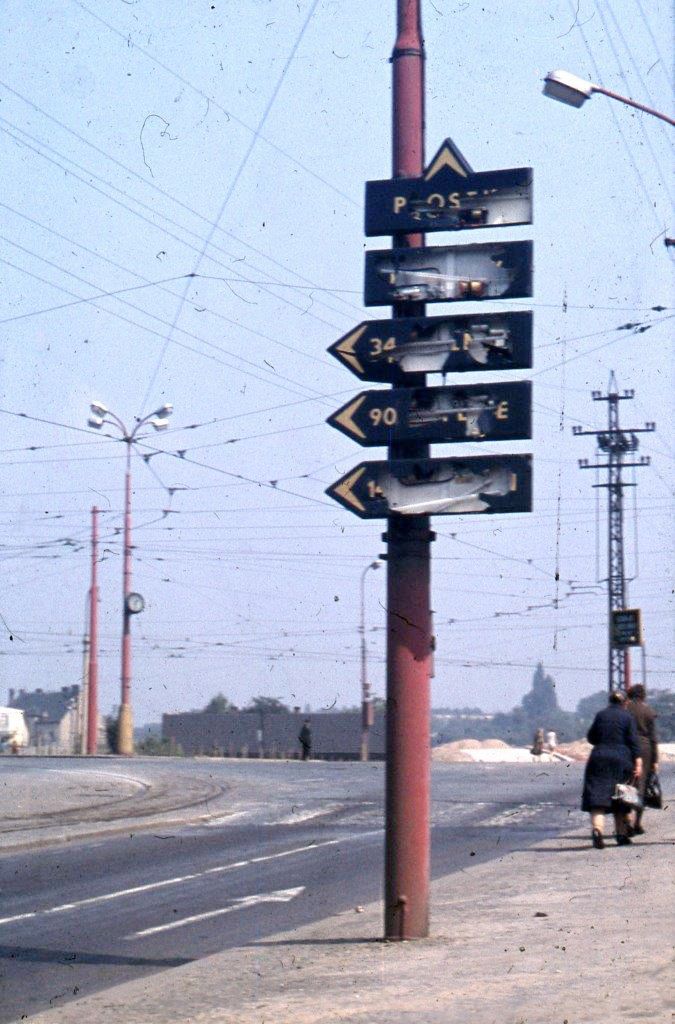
(300, 842)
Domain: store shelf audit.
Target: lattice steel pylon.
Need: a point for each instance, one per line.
(617, 445)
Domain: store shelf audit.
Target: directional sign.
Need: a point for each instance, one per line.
(449, 198)
(479, 412)
(373, 490)
(383, 350)
(449, 273)
(626, 627)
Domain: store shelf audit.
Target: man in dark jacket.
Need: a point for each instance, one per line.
(615, 758)
(305, 737)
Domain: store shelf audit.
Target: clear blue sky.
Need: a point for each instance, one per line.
(130, 159)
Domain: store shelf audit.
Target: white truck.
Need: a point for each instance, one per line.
(13, 730)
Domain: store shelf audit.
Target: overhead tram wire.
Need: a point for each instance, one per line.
(264, 286)
(94, 301)
(616, 119)
(622, 74)
(147, 281)
(236, 476)
(661, 61)
(77, 302)
(128, 42)
(167, 195)
(229, 193)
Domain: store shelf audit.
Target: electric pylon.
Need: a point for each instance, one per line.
(618, 445)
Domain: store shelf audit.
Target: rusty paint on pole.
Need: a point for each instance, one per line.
(407, 831)
(92, 670)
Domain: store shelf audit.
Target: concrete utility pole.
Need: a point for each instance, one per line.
(92, 674)
(616, 444)
(409, 539)
(125, 726)
(132, 603)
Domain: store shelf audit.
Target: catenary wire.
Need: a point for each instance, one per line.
(228, 196)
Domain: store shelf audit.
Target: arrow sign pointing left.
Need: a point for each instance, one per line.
(475, 412)
(277, 896)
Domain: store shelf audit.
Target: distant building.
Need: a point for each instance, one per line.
(336, 735)
(54, 718)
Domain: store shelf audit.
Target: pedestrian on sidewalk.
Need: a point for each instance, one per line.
(305, 737)
(645, 720)
(616, 758)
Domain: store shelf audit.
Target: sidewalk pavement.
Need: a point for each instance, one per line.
(556, 933)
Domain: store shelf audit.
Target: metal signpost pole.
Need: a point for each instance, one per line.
(92, 675)
(408, 574)
(410, 486)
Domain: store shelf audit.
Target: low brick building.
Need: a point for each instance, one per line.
(336, 735)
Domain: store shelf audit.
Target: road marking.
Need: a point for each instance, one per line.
(104, 897)
(239, 903)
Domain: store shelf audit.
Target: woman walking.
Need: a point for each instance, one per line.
(645, 720)
(616, 757)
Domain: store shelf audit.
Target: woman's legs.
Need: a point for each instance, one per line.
(598, 821)
(597, 826)
(622, 825)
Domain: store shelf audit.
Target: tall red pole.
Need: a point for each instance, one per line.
(408, 573)
(92, 673)
(125, 730)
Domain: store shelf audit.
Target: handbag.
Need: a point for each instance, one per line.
(627, 796)
(653, 794)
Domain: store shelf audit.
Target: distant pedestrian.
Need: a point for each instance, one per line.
(538, 743)
(615, 758)
(551, 740)
(645, 720)
(305, 737)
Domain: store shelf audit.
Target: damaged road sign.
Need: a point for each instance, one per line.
(477, 412)
(384, 350)
(464, 273)
(458, 486)
(449, 197)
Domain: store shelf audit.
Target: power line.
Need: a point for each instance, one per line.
(77, 302)
(228, 113)
(155, 213)
(229, 193)
(167, 195)
(190, 348)
(622, 74)
(617, 122)
(651, 35)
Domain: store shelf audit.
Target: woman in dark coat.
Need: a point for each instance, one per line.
(645, 720)
(616, 757)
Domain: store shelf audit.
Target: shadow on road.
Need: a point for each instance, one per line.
(35, 954)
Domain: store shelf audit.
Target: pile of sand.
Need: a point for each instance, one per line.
(578, 750)
(453, 753)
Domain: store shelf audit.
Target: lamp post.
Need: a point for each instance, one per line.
(574, 91)
(132, 603)
(366, 705)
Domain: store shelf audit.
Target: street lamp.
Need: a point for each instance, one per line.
(132, 603)
(366, 705)
(574, 91)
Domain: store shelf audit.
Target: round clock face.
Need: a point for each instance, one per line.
(135, 603)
